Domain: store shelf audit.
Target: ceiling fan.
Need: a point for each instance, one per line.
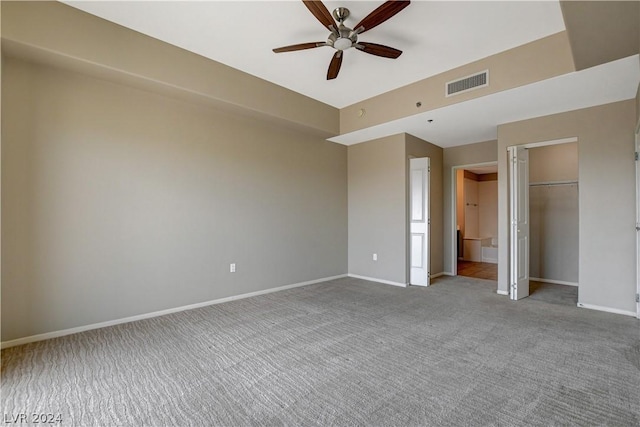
(343, 38)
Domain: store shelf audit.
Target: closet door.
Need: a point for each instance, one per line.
(419, 221)
(519, 220)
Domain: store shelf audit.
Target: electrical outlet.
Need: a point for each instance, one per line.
(232, 267)
(375, 257)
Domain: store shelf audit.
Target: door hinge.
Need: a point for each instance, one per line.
(637, 156)
(637, 297)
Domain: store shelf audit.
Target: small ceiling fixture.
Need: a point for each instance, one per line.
(343, 37)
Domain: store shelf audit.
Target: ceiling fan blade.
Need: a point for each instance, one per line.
(300, 46)
(378, 50)
(381, 14)
(334, 66)
(320, 11)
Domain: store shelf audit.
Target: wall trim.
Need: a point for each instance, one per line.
(448, 273)
(607, 309)
(500, 292)
(435, 276)
(555, 282)
(373, 279)
(70, 331)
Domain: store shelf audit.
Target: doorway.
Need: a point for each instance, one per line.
(544, 218)
(475, 219)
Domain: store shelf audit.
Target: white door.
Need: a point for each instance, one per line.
(419, 221)
(519, 220)
(638, 225)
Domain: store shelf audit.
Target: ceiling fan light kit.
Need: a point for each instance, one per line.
(342, 37)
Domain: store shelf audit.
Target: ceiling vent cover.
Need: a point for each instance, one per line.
(468, 83)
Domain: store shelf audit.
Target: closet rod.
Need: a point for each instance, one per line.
(550, 183)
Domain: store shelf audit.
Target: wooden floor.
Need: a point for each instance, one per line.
(479, 270)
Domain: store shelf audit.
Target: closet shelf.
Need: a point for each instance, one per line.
(550, 183)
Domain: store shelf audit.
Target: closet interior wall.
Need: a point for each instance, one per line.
(553, 204)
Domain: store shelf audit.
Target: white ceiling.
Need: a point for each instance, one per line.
(434, 36)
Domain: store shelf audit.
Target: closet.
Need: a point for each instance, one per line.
(553, 210)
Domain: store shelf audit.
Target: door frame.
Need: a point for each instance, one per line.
(637, 161)
(454, 209)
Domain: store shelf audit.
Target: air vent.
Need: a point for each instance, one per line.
(468, 83)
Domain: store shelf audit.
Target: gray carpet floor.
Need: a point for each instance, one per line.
(554, 294)
(345, 352)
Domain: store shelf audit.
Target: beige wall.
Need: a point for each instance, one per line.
(488, 209)
(606, 195)
(554, 163)
(117, 202)
(532, 62)
(378, 173)
(64, 36)
(601, 31)
(471, 211)
(481, 152)
(478, 205)
(377, 208)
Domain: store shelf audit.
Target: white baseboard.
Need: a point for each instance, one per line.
(56, 334)
(555, 282)
(373, 279)
(448, 273)
(434, 276)
(499, 292)
(607, 309)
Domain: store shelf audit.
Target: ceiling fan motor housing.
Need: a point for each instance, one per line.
(346, 39)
